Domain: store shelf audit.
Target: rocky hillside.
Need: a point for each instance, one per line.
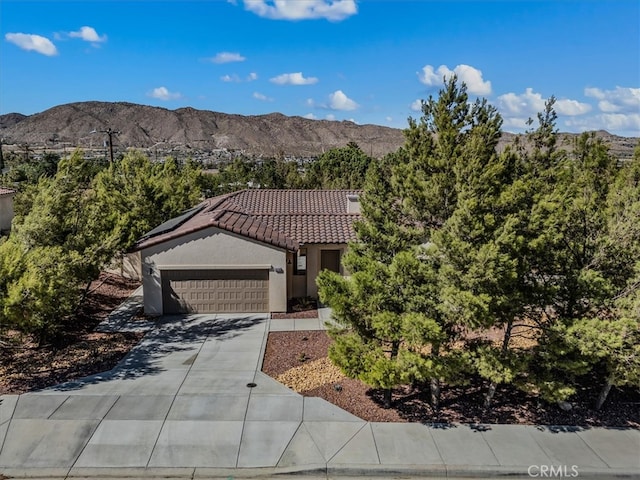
(143, 126)
(188, 129)
(10, 119)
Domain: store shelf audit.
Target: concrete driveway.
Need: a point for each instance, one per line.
(190, 400)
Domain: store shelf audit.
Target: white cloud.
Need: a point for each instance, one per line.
(310, 102)
(471, 76)
(621, 99)
(389, 119)
(627, 125)
(531, 103)
(571, 107)
(227, 57)
(339, 101)
(517, 123)
(162, 93)
(416, 105)
(230, 78)
(573, 115)
(310, 116)
(293, 79)
(330, 116)
(621, 122)
(88, 34)
(333, 10)
(519, 105)
(260, 96)
(235, 78)
(31, 42)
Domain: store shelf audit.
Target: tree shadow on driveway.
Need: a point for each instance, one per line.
(173, 334)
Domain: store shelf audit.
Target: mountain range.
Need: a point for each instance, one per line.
(85, 125)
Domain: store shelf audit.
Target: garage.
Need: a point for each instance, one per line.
(215, 291)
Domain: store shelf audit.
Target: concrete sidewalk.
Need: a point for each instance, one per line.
(299, 324)
(190, 401)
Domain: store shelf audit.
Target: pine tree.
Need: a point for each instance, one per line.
(380, 307)
(397, 328)
(611, 337)
(570, 221)
(427, 177)
(344, 167)
(485, 270)
(133, 195)
(70, 226)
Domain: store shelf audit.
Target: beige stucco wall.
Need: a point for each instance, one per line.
(212, 248)
(6, 212)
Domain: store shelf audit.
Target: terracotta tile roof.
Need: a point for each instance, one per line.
(314, 228)
(6, 191)
(293, 201)
(283, 218)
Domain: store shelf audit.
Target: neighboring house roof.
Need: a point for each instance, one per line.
(283, 218)
(6, 191)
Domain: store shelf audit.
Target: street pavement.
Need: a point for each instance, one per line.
(191, 401)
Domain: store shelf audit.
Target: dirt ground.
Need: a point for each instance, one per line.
(299, 360)
(24, 366)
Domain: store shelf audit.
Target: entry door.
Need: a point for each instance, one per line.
(330, 260)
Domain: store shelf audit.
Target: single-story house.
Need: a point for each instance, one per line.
(247, 251)
(6, 208)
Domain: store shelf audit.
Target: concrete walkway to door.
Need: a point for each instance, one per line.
(190, 401)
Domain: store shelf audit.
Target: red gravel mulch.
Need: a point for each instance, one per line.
(458, 404)
(25, 366)
(303, 314)
(299, 308)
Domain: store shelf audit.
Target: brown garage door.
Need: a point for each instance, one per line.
(215, 291)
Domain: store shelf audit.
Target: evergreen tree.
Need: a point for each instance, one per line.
(380, 307)
(484, 274)
(45, 292)
(571, 271)
(396, 329)
(60, 215)
(339, 168)
(427, 178)
(611, 337)
(134, 195)
(71, 226)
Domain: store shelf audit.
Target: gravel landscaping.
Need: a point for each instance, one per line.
(299, 360)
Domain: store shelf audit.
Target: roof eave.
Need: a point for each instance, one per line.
(285, 243)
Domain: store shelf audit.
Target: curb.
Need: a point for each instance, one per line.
(311, 471)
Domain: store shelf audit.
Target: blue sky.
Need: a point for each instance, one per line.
(368, 61)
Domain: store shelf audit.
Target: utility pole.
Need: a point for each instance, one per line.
(110, 133)
(25, 146)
